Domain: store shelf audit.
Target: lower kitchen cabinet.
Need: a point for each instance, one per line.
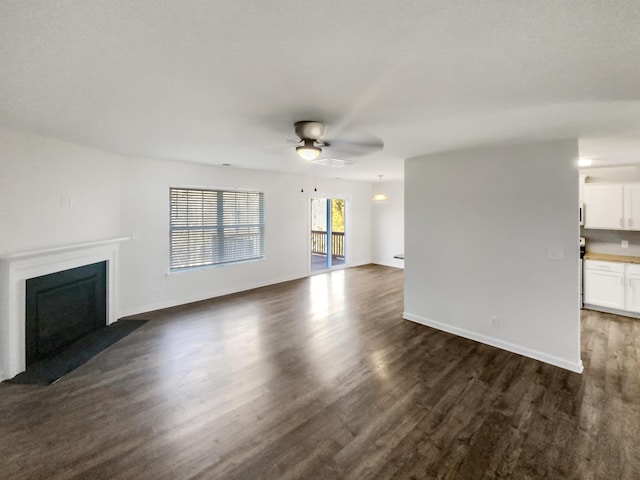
(604, 284)
(632, 293)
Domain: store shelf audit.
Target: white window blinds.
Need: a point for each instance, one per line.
(214, 227)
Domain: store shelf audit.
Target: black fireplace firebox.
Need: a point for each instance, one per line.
(62, 307)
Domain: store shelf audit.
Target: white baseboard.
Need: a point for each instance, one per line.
(197, 298)
(393, 264)
(494, 342)
(614, 311)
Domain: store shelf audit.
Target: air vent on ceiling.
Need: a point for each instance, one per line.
(333, 162)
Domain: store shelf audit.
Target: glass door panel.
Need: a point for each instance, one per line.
(337, 232)
(327, 233)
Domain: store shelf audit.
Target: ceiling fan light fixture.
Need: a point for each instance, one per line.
(308, 151)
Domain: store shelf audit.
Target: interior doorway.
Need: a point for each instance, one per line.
(328, 233)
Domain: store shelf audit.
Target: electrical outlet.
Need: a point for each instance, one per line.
(624, 244)
(495, 323)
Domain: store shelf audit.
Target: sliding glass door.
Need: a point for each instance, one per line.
(327, 233)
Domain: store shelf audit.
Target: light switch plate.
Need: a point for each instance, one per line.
(624, 244)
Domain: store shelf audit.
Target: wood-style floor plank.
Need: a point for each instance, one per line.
(321, 378)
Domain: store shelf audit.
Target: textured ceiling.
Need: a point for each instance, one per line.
(223, 81)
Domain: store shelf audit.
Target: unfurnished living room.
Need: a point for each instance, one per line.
(319, 240)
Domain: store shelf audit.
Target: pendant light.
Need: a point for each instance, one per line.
(380, 197)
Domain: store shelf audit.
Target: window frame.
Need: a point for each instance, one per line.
(221, 238)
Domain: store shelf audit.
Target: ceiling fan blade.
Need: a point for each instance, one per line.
(288, 145)
(356, 144)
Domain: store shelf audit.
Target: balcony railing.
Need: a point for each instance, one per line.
(319, 243)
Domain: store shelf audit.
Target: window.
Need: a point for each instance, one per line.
(215, 227)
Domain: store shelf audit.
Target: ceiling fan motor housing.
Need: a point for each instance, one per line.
(309, 130)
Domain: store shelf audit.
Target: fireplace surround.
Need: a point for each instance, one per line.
(16, 269)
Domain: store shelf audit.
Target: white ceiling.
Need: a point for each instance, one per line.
(223, 81)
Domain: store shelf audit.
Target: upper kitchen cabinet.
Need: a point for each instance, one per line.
(604, 206)
(612, 206)
(632, 206)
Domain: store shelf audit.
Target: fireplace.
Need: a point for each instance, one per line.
(19, 268)
(63, 306)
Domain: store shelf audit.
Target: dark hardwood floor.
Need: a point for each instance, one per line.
(322, 379)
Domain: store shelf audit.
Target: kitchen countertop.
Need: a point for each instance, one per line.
(606, 257)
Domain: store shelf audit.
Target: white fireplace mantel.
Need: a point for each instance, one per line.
(17, 268)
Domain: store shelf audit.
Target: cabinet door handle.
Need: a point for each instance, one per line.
(630, 222)
(621, 282)
(621, 222)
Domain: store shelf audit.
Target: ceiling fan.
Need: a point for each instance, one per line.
(311, 135)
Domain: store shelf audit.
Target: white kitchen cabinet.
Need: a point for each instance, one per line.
(604, 206)
(604, 284)
(612, 206)
(632, 206)
(632, 293)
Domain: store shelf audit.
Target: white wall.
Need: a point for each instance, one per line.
(55, 194)
(145, 201)
(479, 227)
(388, 224)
